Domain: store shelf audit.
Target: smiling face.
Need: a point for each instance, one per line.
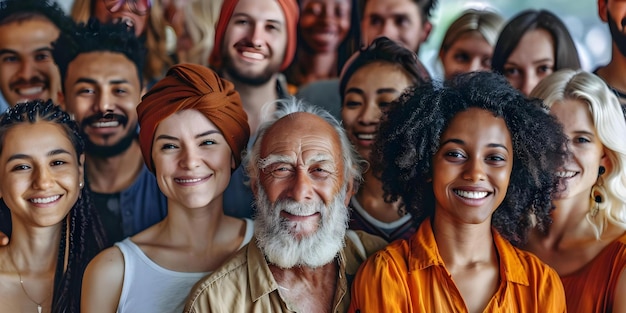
(368, 93)
(468, 53)
(40, 173)
(324, 24)
(255, 42)
(580, 171)
(472, 168)
(192, 160)
(301, 215)
(27, 70)
(531, 61)
(102, 90)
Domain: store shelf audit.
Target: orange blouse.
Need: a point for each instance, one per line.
(592, 288)
(410, 276)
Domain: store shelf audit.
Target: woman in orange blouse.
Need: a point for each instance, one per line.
(471, 160)
(586, 243)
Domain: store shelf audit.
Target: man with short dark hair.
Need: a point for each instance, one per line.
(101, 66)
(27, 30)
(404, 21)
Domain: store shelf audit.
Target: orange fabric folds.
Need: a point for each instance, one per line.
(193, 86)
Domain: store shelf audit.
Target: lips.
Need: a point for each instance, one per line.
(45, 200)
(471, 194)
(566, 174)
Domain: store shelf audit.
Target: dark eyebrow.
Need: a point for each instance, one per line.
(461, 142)
(354, 90)
(94, 82)
(386, 90)
(241, 14)
(42, 49)
(54, 152)
(206, 133)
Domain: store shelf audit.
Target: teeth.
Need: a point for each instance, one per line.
(471, 194)
(253, 55)
(184, 181)
(365, 136)
(45, 200)
(565, 174)
(300, 213)
(29, 91)
(105, 124)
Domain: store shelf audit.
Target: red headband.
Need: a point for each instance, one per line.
(291, 11)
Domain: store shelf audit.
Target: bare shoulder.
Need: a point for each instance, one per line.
(102, 282)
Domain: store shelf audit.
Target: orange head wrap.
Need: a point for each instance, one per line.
(291, 11)
(193, 86)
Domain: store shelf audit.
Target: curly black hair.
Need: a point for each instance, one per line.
(86, 234)
(410, 137)
(383, 49)
(94, 36)
(22, 10)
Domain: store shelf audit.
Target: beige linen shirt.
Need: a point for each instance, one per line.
(245, 283)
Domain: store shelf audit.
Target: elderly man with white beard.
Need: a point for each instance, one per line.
(302, 169)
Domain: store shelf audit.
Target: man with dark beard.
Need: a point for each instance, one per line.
(101, 66)
(302, 169)
(613, 13)
(254, 41)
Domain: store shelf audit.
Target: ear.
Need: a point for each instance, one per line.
(350, 191)
(602, 10)
(426, 29)
(81, 168)
(233, 164)
(605, 160)
(61, 100)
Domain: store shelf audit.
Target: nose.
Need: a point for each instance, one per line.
(529, 82)
(257, 35)
(370, 114)
(189, 158)
(43, 179)
(476, 65)
(104, 103)
(474, 170)
(27, 69)
(302, 188)
(390, 31)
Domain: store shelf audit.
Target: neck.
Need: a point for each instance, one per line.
(34, 250)
(254, 98)
(193, 227)
(371, 198)
(316, 66)
(114, 174)
(613, 73)
(462, 244)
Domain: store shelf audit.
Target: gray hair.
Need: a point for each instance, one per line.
(354, 165)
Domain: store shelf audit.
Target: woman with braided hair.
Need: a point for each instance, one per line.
(55, 231)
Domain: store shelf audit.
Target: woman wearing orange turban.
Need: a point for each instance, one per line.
(193, 129)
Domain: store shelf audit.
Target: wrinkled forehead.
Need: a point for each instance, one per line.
(302, 136)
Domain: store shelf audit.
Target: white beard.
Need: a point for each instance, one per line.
(286, 249)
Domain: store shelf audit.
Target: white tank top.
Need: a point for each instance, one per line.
(151, 288)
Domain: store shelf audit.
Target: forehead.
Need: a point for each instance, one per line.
(189, 120)
(390, 7)
(478, 125)
(37, 30)
(103, 64)
(380, 75)
(260, 10)
(301, 135)
(33, 138)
